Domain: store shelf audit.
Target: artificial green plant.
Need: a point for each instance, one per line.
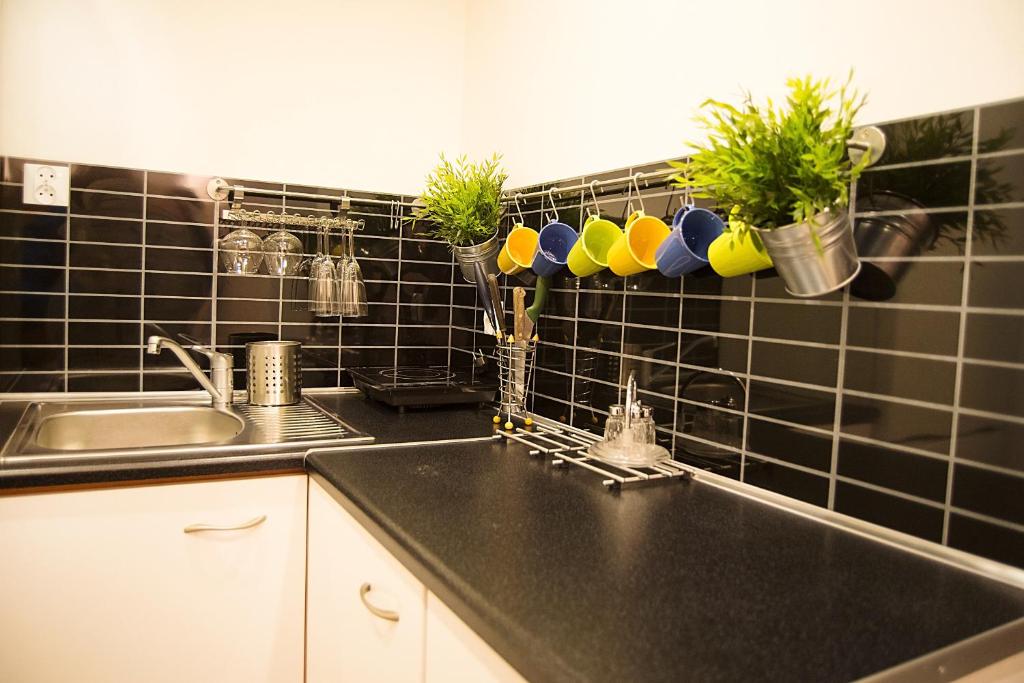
(776, 165)
(462, 200)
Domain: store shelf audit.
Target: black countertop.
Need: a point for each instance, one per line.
(386, 424)
(678, 581)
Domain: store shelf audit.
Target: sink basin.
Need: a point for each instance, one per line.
(90, 430)
(66, 432)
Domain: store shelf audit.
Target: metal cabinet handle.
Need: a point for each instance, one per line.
(374, 610)
(255, 521)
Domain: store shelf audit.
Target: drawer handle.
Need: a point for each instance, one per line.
(374, 610)
(255, 521)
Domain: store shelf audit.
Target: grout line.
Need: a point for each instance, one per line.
(142, 284)
(962, 332)
(67, 283)
(745, 427)
(837, 416)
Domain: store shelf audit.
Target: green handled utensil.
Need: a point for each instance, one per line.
(540, 295)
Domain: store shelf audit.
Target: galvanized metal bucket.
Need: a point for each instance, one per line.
(485, 253)
(807, 269)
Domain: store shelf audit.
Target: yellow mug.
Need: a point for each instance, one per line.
(517, 253)
(635, 252)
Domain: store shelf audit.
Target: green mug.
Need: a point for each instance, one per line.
(590, 253)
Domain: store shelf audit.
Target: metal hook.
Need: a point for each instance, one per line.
(551, 198)
(519, 212)
(636, 183)
(593, 196)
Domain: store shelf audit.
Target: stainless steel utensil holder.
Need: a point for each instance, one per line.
(275, 373)
(515, 372)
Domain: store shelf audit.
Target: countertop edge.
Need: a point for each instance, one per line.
(473, 612)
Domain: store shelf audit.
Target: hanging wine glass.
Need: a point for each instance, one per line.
(282, 251)
(241, 251)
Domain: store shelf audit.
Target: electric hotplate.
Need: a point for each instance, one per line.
(405, 386)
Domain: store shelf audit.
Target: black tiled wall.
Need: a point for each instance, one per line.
(82, 287)
(906, 410)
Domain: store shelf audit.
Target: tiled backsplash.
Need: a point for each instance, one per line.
(81, 288)
(906, 409)
(907, 412)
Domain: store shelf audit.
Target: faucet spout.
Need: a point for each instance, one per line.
(221, 388)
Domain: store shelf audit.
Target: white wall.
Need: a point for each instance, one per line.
(365, 93)
(351, 93)
(575, 86)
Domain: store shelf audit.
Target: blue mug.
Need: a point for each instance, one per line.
(554, 242)
(686, 248)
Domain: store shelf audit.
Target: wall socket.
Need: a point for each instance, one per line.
(46, 184)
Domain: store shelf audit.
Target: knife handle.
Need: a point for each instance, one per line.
(519, 313)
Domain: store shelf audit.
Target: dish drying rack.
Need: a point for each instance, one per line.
(569, 446)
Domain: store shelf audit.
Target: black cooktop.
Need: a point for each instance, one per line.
(424, 385)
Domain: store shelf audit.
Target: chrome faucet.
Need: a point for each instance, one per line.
(221, 387)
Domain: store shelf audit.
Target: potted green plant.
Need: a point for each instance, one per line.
(462, 202)
(786, 172)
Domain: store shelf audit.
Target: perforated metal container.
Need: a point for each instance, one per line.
(275, 373)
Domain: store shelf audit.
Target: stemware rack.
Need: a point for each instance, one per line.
(271, 219)
(567, 445)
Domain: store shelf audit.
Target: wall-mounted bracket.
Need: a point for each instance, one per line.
(870, 140)
(218, 189)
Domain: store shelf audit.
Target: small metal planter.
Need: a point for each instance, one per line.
(485, 253)
(807, 270)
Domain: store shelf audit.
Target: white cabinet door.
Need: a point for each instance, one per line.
(349, 577)
(105, 585)
(456, 654)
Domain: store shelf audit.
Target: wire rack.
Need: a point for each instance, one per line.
(571, 446)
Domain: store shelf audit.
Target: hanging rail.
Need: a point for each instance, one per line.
(869, 139)
(512, 195)
(221, 190)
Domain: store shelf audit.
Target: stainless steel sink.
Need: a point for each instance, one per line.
(91, 430)
(69, 431)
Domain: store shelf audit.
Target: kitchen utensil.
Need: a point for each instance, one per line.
(484, 295)
(540, 296)
(241, 251)
(275, 373)
(237, 342)
(499, 309)
(589, 254)
(686, 247)
(323, 285)
(518, 251)
(351, 286)
(282, 251)
(519, 315)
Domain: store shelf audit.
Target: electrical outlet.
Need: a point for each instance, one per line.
(45, 184)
